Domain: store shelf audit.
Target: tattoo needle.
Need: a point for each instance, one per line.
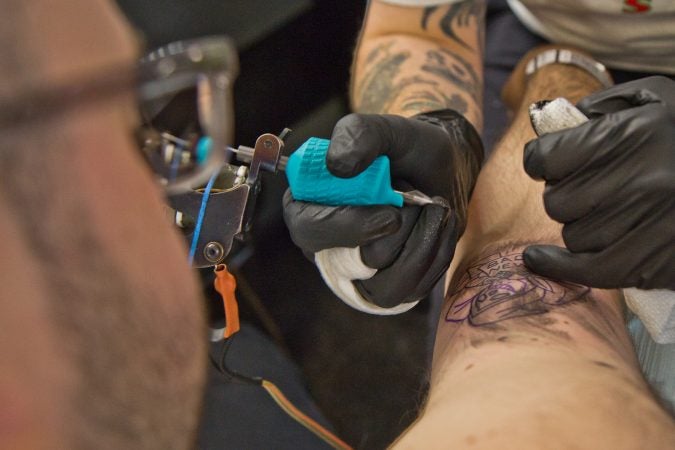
(245, 154)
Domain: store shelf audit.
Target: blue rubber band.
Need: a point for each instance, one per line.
(200, 217)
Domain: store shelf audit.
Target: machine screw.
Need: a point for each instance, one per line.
(213, 252)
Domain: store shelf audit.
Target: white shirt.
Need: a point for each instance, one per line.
(624, 34)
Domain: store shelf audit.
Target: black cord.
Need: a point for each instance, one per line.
(220, 364)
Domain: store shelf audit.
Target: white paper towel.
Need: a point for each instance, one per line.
(339, 266)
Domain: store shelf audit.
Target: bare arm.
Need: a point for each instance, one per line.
(417, 59)
(522, 361)
(525, 362)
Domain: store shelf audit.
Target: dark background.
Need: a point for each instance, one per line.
(366, 373)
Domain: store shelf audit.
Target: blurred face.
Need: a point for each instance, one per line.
(100, 322)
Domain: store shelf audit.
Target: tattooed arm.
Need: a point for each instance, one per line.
(416, 59)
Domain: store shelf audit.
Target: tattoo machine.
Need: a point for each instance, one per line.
(308, 178)
(311, 181)
(230, 196)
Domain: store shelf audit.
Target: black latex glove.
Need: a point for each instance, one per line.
(411, 246)
(611, 182)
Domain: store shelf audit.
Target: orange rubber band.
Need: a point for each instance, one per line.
(225, 284)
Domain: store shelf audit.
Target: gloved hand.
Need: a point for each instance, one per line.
(411, 247)
(611, 182)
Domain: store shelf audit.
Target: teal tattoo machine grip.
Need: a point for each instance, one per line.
(310, 180)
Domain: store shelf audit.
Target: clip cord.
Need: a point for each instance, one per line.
(280, 399)
(303, 419)
(225, 285)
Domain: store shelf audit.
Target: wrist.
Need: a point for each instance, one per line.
(568, 57)
(546, 83)
(467, 153)
(460, 130)
(545, 69)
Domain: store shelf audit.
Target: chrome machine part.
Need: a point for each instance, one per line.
(230, 204)
(214, 252)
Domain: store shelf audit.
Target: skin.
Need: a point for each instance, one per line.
(32, 384)
(108, 319)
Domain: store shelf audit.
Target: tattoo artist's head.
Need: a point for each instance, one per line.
(101, 331)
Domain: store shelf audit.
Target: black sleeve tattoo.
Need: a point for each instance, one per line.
(458, 15)
(499, 287)
(382, 87)
(433, 99)
(375, 90)
(379, 88)
(455, 69)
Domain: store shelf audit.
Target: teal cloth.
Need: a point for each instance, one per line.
(656, 360)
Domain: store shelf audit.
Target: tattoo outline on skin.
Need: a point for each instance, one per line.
(500, 287)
